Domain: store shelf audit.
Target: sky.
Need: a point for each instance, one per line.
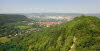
(52, 6)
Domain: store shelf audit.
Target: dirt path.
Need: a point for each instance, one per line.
(73, 45)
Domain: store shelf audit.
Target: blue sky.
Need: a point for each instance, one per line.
(41, 6)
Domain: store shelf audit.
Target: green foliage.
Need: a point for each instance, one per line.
(8, 30)
(24, 27)
(4, 39)
(36, 25)
(85, 29)
(7, 23)
(9, 18)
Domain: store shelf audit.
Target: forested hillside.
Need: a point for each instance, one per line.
(9, 18)
(80, 34)
(7, 23)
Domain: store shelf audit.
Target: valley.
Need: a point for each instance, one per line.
(68, 34)
(49, 25)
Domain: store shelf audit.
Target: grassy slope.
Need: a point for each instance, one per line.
(4, 39)
(60, 38)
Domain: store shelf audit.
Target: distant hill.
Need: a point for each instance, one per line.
(10, 18)
(60, 14)
(6, 28)
(80, 34)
